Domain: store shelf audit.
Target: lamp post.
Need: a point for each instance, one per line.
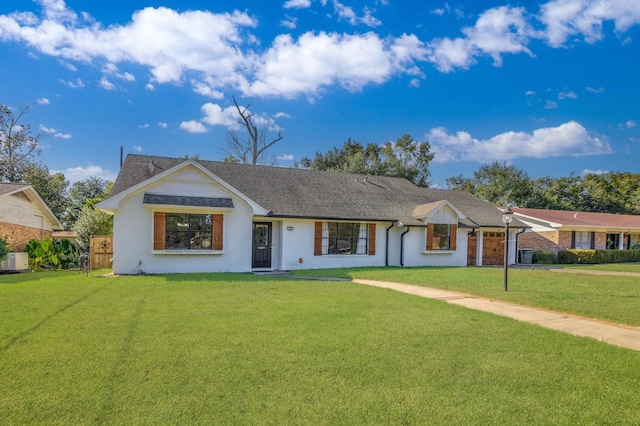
(507, 217)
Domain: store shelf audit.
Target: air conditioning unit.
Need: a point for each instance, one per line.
(16, 262)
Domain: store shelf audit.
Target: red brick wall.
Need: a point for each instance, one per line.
(17, 235)
(555, 240)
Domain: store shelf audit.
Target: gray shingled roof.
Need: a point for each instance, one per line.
(290, 192)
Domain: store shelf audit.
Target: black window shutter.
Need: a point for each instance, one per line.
(593, 240)
(573, 239)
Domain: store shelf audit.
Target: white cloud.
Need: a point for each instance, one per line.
(75, 174)
(285, 157)
(54, 132)
(314, 61)
(297, 4)
(347, 13)
(568, 139)
(163, 125)
(497, 31)
(137, 148)
(204, 89)
(596, 90)
(630, 124)
(281, 115)
(566, 18)
(150, 87)
(567, 95)
(289, 22)
(43, 101)
(551, 105)
(106, 84)
(193, 126)
(78, 84)
(218, 53)
(593, 172)
(214, 115)
(143, 126)
(530, 93)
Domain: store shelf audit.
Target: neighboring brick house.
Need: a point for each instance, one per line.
(557, 230)
(24, 215)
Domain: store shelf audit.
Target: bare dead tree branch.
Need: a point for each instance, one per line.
(249, 150)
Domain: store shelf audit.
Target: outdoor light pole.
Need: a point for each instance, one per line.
(507, 217)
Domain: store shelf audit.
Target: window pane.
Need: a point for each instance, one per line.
(441, 239)
(188, 231)
(345, 238)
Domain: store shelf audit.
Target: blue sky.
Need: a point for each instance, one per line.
(550, 87)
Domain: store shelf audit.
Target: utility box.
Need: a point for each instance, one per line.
(16, 262)
(526, 256)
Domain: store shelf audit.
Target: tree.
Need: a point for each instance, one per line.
(18, 146)
(52, 187)
(91, 221)
(498, 184)
(404, 158)
(86, 192)
(251, 150)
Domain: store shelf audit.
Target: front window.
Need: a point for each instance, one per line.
(344, 238)
(185, 231)
(582, 240)
(440, 239)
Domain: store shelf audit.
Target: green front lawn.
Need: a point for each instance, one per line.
(240, 349)
(609, 298)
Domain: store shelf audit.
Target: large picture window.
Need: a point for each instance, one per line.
(441, 236)
(187, 231)
(345, 238)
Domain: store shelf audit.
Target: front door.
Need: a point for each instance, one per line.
(261, 245)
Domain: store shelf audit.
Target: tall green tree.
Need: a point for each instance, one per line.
(497, 183)
(406, 158)
(86, 192)
(52, 187)
(18, 145)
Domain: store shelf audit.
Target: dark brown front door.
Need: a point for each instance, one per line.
(261, 245)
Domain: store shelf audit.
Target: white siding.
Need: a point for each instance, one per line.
(133, 231)
(19, 211)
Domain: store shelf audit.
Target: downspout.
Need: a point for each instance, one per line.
(517, 244)
(402, 246)
(386, 254)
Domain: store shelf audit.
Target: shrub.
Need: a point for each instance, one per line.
(4, 248)
(48, 254)
(598, 256)
(544, 257)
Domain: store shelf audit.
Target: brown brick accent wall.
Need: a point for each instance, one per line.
(555, 240)
(17, 235)
(541, 241)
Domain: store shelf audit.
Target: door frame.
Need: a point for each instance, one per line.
(269, 247)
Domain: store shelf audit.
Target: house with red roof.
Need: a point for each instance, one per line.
(558, 230)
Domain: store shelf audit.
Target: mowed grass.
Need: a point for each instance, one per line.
(605, 297)
(240, 349)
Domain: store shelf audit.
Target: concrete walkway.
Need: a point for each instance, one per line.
(614, 334)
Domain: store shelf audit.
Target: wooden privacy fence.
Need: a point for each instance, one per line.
(101, 251)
